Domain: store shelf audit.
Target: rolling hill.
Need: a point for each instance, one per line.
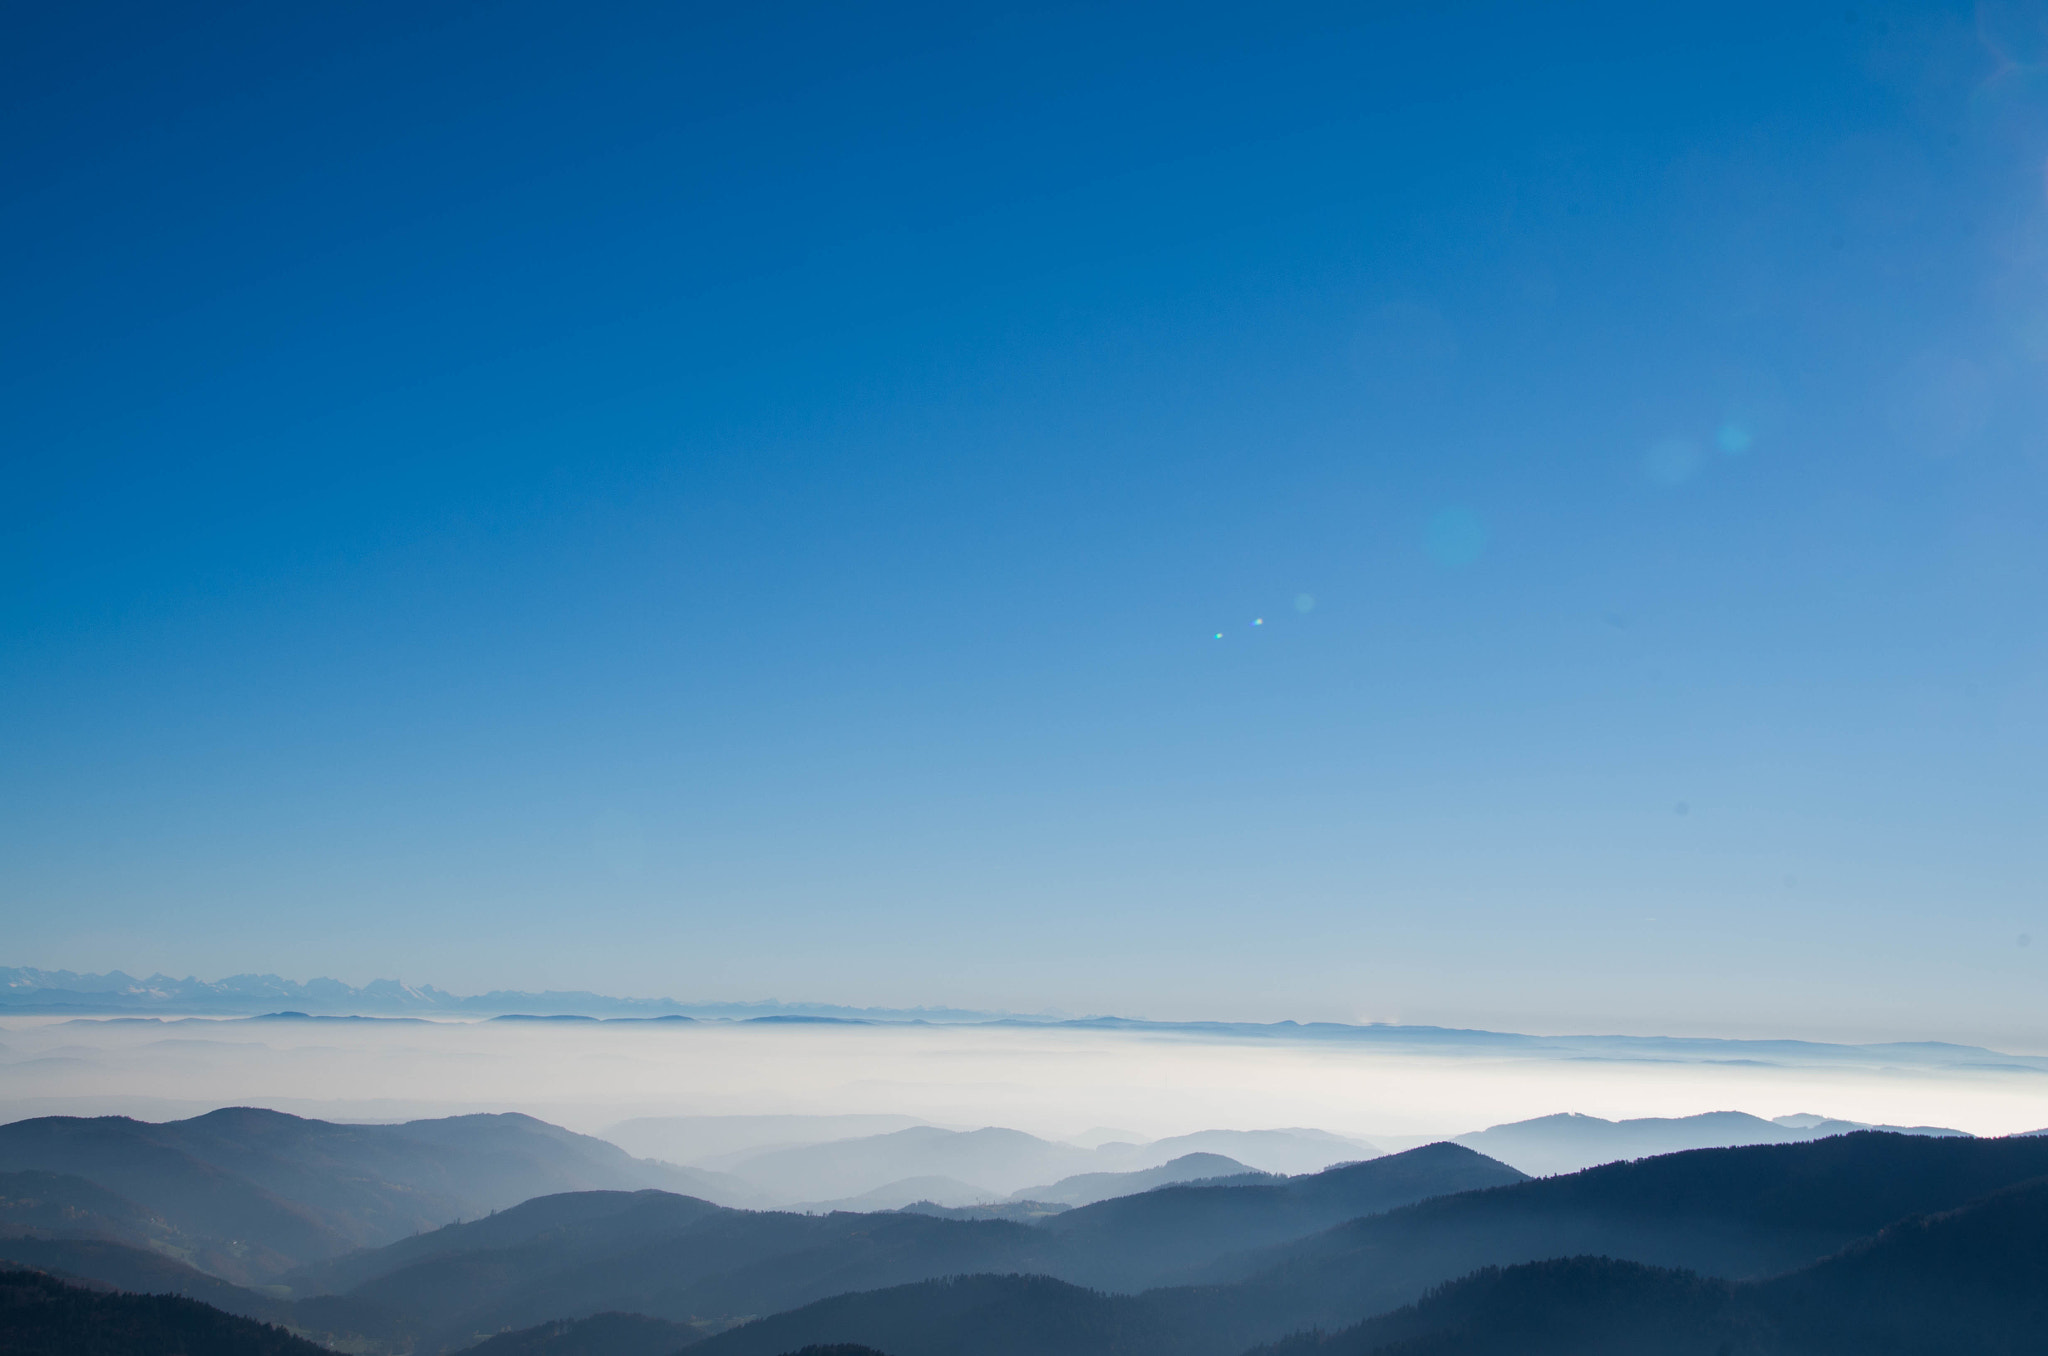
(1010, 1162)
(1169, 1234)
(42, 1316)
(1965, 1282)
(685, 1261)
(1862, 1245)
(1830, 1210)
(248, 1194)
(664, 1256)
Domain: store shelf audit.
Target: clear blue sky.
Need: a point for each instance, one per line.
(767, 499)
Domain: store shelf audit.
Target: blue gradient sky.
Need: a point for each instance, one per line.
(746, 500)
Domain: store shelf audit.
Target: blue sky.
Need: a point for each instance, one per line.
(1518, 516)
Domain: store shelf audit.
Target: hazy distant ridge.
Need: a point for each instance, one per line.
(26, 989)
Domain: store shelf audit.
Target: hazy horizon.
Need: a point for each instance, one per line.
(325, 996)
(1052, 1081)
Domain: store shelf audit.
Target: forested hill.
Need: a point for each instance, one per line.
(248, 1194)
(1864, 1245)
(41, 1316)
(1968, 1282)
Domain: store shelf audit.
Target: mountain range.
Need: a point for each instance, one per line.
(1870, 1242)
(247, 1194)
(1970, 1280)
(959, 1167)
(931, 1165)
(433, 1236)
(26, 989)
(29, 990)
(686, 1261)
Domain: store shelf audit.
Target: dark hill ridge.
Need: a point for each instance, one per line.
(663, 1256)
(249, 1194)
(594, 1222)
(683, 1260)
(1735, 1212)
(151, 1167)
(1969, 1275)
(41, 1316)
(1724, 1212)
(1575, 1306)
(1160, 1236)
(1968, 1282)
(139, 1271)
(978, 1315)
(56, 1205)
(1570, 1307)
(607, 1334)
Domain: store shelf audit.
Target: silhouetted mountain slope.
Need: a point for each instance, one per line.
(617, 1335)
(681, 1259)
(1972, 1280)
(874, 1278)
(250, 1193)
(1723, 1212)
(1577, 1306)
(54, 1207)
(982, 1315)
(598, 1335)
(147, 1164)
(1738, 1212)
(1023, 1212)
(40, 1316)
(61, 1204)
(1968, 1282)
(650, 1253)
(596, 1222)
(137, 1270)
(1132, 1242)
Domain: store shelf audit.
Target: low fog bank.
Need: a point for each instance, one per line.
(1085, 1085)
